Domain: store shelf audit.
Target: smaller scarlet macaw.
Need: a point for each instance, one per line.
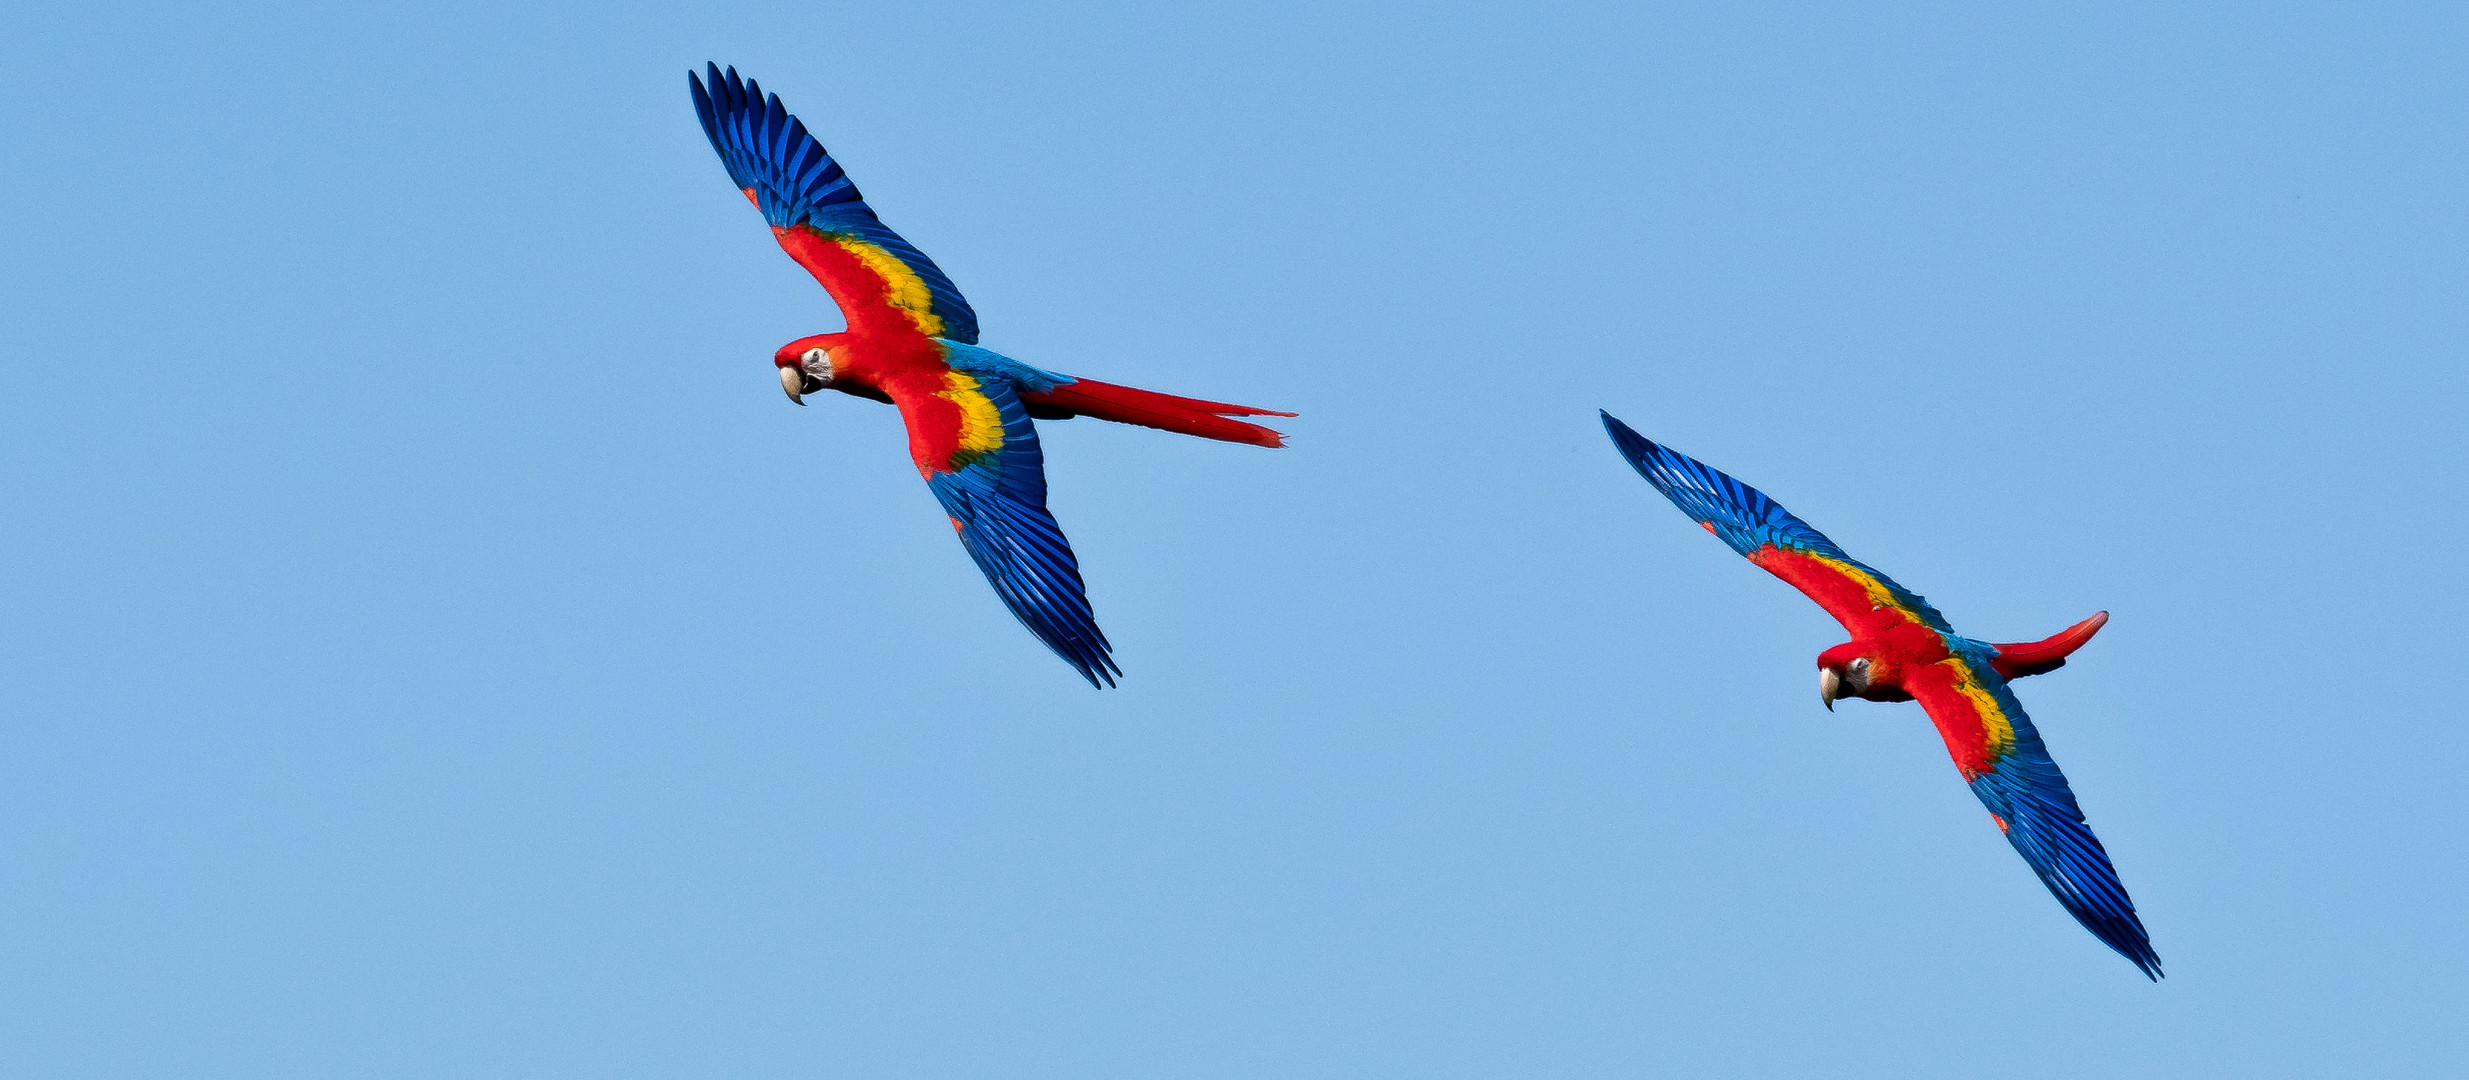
(1903, 650)
(912, 342)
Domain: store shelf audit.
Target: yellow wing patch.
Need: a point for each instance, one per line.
(1879, 594)
(902, 288)
(981, 424)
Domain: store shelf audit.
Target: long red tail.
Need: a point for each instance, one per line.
(1148, 408)
(2047, 654)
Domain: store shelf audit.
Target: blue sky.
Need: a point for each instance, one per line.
(430, 646)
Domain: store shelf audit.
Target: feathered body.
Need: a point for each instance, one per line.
(911, 341)
(1902, 649)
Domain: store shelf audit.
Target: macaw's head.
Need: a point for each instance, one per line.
(806, 364)
(1856, 670)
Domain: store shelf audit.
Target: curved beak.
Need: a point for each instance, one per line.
(793, 381)
(1829, 687)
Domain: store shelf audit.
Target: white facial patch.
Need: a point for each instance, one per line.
(817, 364)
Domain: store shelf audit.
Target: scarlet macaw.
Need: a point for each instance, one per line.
(912, 342)
(1902, 650)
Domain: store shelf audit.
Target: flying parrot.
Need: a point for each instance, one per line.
(1903, 650)
(911, 341)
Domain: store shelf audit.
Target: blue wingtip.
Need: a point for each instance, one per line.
(1637, 448)
(2128, 941)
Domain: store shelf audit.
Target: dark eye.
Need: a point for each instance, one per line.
(1860, 666)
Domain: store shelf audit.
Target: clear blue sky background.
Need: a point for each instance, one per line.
(430, 646)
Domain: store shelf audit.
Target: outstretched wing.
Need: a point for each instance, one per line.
(2001, 756)
(878, 279)
(1768, 534)
(977, 448)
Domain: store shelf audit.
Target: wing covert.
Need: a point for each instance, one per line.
(800, 189)
(1767, 534)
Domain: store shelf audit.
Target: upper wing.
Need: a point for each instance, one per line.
(1768, 534)
(818, 216)
(2001, 756)
(975, 444)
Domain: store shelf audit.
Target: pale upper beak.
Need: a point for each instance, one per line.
(1829, 687)
(793, 381)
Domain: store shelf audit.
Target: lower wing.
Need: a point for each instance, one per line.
(2001, 756)
(978, 449)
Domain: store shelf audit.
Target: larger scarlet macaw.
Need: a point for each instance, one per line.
(912, 341)
(1902, 650)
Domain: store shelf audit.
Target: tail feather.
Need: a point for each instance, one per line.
(2048, 654)
(1166, 412)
